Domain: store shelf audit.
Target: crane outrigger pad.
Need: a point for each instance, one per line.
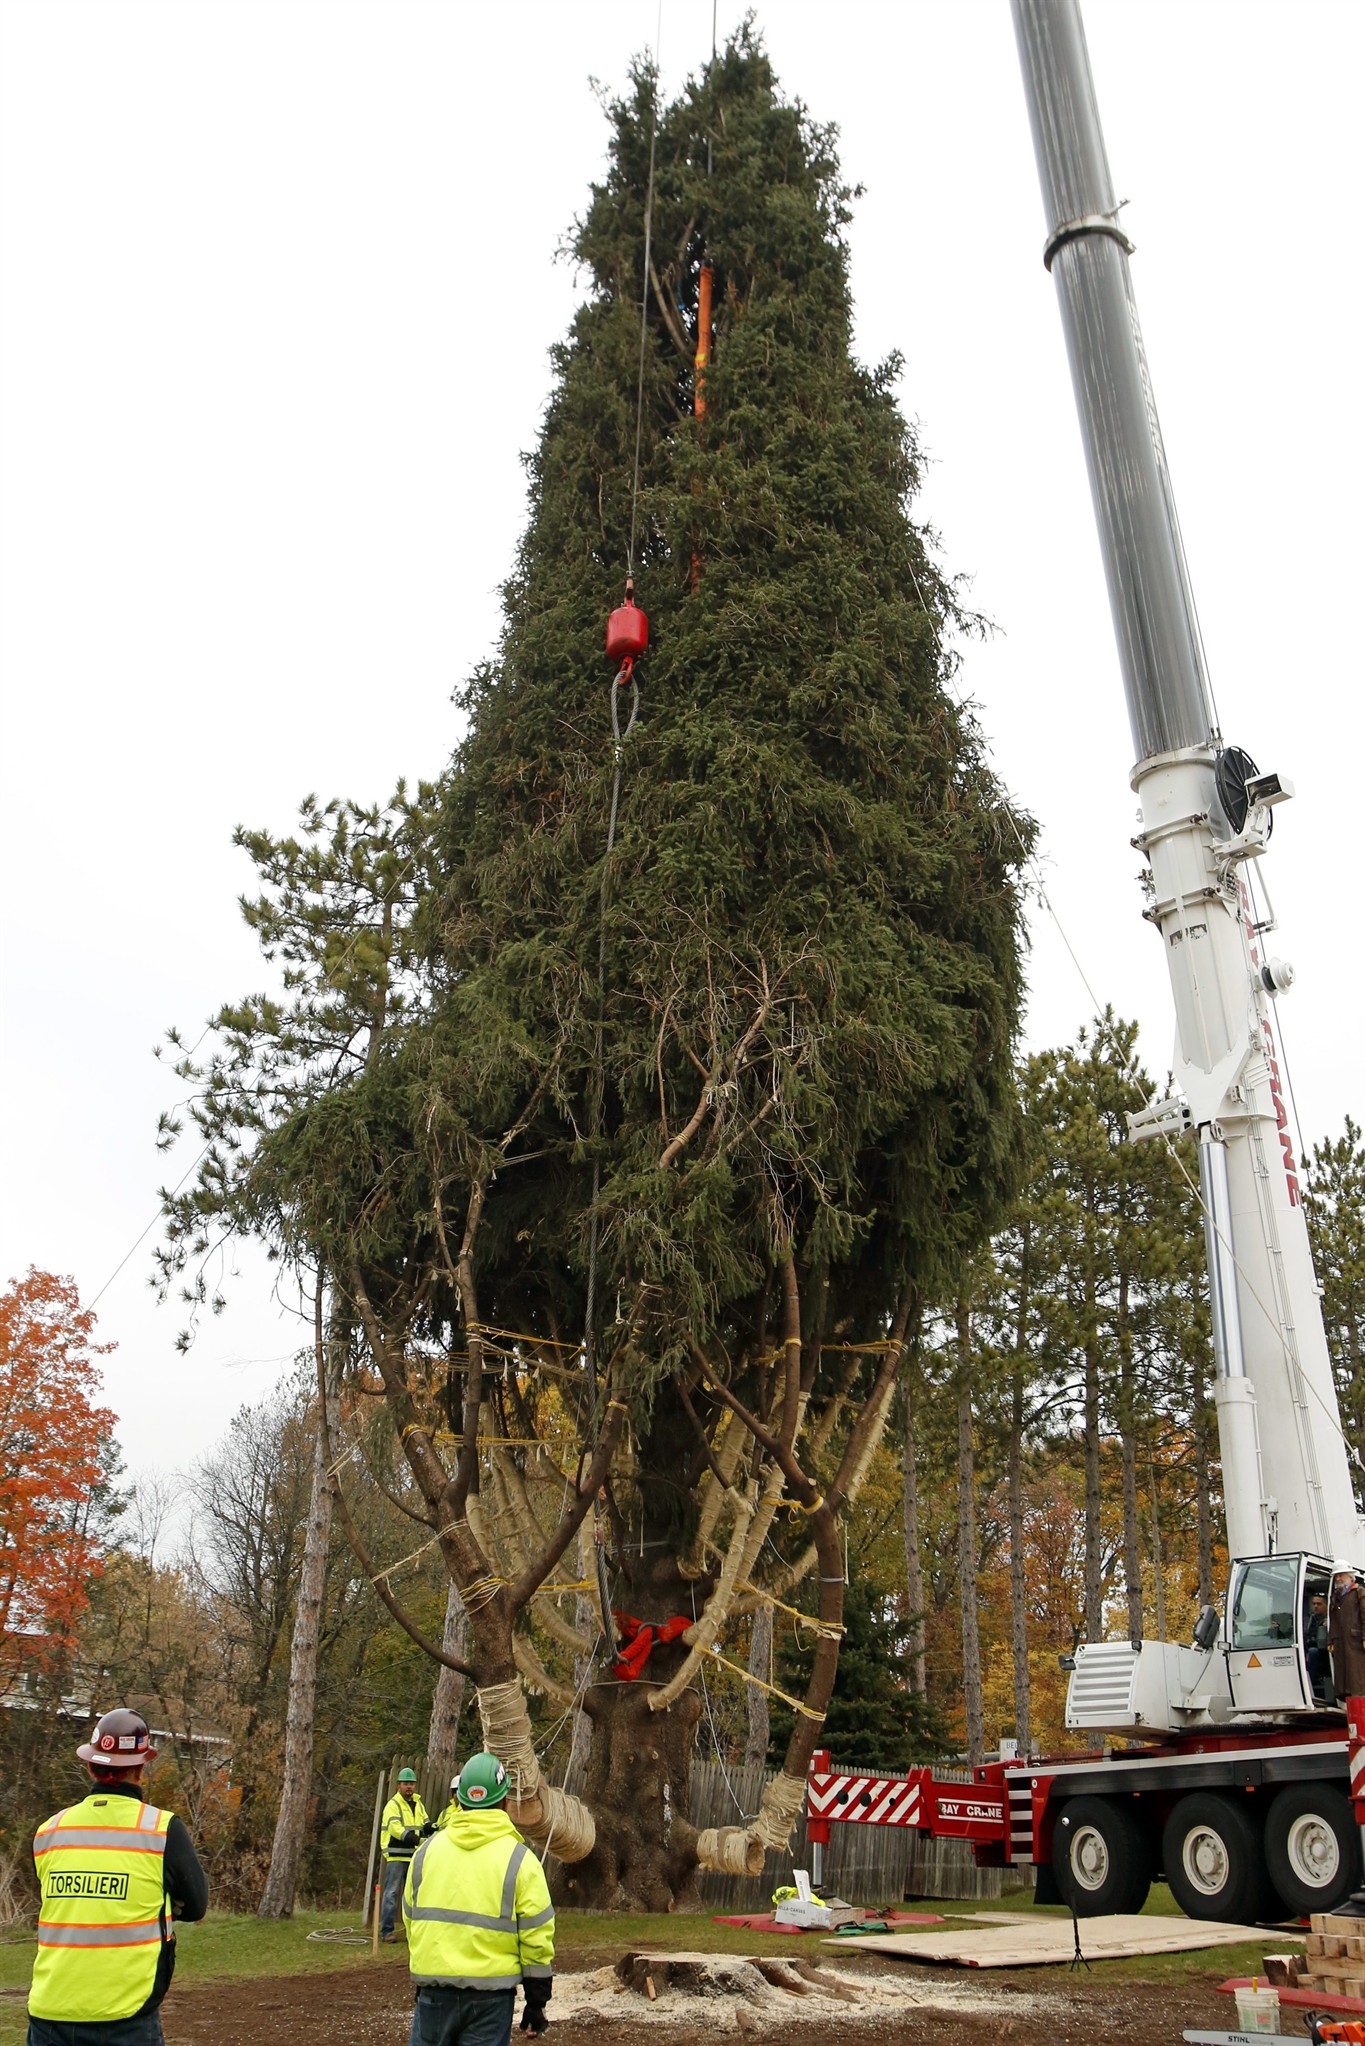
(1036, 1942)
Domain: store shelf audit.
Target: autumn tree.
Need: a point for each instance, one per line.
(632, 1197)
(53, 1442)
(1335, 1200)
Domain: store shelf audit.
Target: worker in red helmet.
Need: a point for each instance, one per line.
(113, 1871)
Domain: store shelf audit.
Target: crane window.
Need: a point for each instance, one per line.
(1264, 1603)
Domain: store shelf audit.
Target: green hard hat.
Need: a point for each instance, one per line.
(407, 1776)
(483, 1782)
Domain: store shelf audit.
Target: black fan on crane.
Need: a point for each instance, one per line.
(1232, 770)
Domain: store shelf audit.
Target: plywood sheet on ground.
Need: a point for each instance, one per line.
(1039, 1942)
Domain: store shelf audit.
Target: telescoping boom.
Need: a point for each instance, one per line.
(1241, 1775)
(1206, 818)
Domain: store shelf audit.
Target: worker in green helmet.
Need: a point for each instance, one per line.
(401, 1830)
(480, 1921)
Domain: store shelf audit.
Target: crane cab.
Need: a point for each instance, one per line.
(1262, 1664)
(1274, 1665)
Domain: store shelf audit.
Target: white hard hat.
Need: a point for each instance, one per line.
(455, 1782)
(1343, 1569)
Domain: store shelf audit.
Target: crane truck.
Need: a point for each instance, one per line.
(1214, 1761)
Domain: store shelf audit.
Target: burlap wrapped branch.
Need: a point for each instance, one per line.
(548, 1817)
(740, 1850)
(730, 1443)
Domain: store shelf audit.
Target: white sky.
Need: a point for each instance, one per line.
(278, 290)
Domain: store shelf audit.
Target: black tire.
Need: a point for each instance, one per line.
(1312, 1848)
(1101, 1856)
(1214, 1860)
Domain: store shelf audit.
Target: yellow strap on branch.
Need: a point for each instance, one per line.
(382, 1576)
(806, 1619)
(772, 1689)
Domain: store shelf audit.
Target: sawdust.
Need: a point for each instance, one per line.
(734, 1998)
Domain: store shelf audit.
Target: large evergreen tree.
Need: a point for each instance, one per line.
(735, 1097)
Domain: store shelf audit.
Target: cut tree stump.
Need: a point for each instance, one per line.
(744, 1976)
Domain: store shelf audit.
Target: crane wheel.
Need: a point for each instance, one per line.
(1312, 1847)
(1214, 1859)
(1101, 1856)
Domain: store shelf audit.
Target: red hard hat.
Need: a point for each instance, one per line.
(121, 1740)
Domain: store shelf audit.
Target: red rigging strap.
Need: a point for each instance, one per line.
(640, 1639)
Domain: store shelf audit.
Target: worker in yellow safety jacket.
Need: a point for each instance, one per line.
(480, 1922)
(452, 1804)
(112, 1871)
(401, 1830)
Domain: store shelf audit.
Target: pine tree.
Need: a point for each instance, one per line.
(876, 1719)
(734, 1098)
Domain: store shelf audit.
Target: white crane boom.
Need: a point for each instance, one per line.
(1206, 816)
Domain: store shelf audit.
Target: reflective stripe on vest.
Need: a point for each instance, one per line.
(101, 1921)
(506, 1921)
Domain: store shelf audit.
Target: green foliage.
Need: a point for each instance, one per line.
(812, 923)
(1334, 1197)
(875, 1719)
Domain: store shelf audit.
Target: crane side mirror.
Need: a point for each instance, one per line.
(1206, 1627)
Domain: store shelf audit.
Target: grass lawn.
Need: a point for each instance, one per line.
(228, 1945)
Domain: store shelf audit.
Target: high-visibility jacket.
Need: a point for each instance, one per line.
(103, 1917)
(477, 1908)
(451, 1811)
(399, 1814)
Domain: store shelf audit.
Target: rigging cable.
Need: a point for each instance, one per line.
(632, 644)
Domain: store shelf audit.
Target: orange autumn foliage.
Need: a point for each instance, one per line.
(51, 1436)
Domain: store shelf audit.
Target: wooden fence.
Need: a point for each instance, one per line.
(863, 1864)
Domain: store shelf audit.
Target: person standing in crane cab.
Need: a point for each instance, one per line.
(1346, 1632)
(1316, 1649)
(113, 1871)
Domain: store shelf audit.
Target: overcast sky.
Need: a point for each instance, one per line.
(279, 283)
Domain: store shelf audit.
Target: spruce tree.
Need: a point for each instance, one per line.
(734, 1098)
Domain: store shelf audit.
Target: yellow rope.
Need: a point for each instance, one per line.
(772, 1689)
(481, 1592)
(806, 1619)
(814, 1506)
(382, 1576)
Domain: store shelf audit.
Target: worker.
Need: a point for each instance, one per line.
(451, 1806)
(401, 1830)
(1316, 1650)
(479, 1921)
(1346, 1632)
(107, 1868)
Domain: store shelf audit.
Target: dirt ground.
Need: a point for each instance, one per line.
(1033, 2008)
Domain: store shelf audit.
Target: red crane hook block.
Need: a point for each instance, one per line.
(627, 630)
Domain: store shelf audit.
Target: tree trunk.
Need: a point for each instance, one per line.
(443, 1734)
(1018, 1588)
(585, 1620)
(966, 1547)
(291, 1826)
(914, 1559)
(1132, 1534)
(638, 1765)
(1094, 1588)
(638, 1785)
(1159, 1582)
(761, 1666)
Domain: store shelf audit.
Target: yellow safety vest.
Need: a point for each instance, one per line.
(102, 1919)
(477, 1907)
(399, 1814)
